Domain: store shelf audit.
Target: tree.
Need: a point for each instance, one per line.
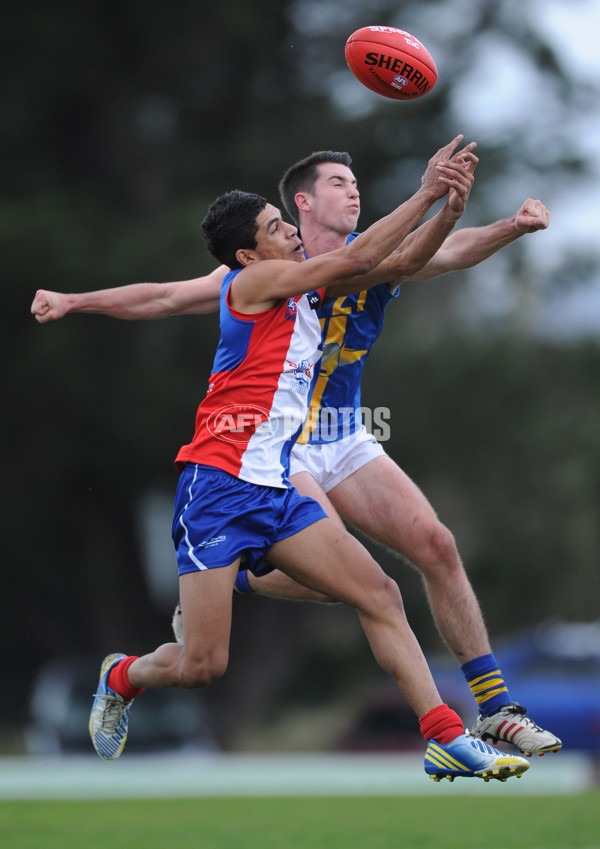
(125, 121)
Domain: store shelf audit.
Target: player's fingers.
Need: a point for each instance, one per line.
(458, 164)
(534, 207)
(453, 183)
(469, 160)
(458, 170)
(531, 223)
(467, 148)
(465, 152)
(446, 151)
(40, 301)
(451, 146)
(459, 180)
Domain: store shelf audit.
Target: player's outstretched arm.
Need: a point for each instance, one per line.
(469, 246)
(262, 284)
(136, 301)
(424, 242)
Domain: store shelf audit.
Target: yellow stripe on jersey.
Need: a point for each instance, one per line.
(338, 307)
(334, 355)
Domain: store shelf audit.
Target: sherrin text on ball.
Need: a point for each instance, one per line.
(391, 62)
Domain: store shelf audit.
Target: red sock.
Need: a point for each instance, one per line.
(119, 682)
(441, 723)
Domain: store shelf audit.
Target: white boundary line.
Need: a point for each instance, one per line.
(187, 775)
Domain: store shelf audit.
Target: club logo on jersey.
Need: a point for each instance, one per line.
(291, 309)
(302, 373)
(238, 422)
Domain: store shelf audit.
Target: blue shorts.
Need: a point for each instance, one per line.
(219, 518)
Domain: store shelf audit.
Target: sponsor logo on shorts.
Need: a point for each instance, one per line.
(209, 543)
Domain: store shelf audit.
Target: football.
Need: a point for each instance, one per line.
(391, 62)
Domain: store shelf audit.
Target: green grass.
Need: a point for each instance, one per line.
(460, 822)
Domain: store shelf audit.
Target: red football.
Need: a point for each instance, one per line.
(391, 62)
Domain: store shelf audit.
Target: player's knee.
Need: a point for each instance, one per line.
(384, 596)
(204, 671)
(438, 552)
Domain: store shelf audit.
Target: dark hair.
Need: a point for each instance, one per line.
(230, 224)
(302, 175)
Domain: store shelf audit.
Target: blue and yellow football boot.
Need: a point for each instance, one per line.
(109, 719)
(470, 757)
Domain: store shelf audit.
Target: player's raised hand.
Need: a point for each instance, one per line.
(460, 170)
(48, 306)
(460, 177)
(437, 177)
(532, 216)
(465, 156)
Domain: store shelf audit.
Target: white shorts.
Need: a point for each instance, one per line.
(332, 462)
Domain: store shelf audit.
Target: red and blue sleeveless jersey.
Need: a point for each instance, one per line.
(350, 326)
(259, 389)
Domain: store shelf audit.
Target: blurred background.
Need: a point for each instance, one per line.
(121, 122)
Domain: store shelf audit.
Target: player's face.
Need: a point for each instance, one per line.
(335, 199)
(275, 238)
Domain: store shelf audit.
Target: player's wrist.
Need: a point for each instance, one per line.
(72, 303)
(428, 194)
(513, 228)
(452, 214)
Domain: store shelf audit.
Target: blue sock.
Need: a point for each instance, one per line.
(486, 683)
(242, 584)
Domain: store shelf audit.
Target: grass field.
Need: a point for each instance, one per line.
(461, 822)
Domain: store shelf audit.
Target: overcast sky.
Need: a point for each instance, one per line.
(518, 97)
(507, 97)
